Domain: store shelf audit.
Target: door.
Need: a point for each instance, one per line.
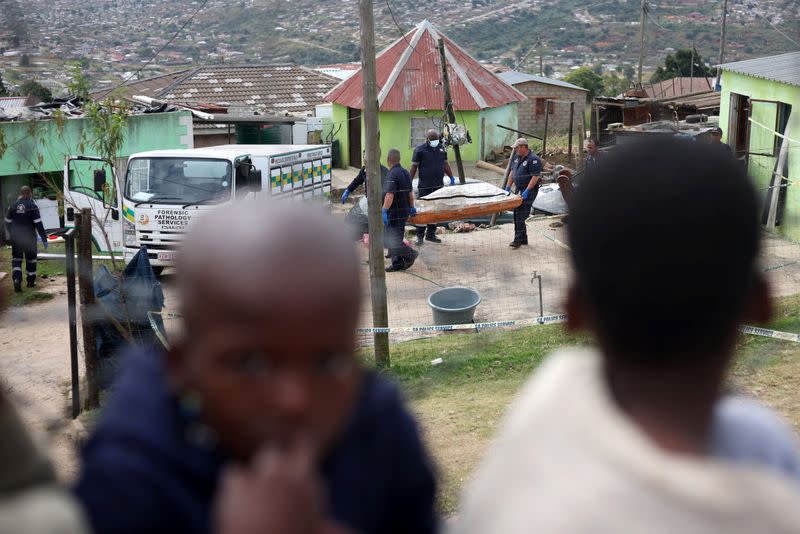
(354, 136)
(738, 124)
(80, 173)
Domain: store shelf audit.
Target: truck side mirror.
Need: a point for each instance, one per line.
(99, 180)
(114, 214)
(71, 214)
(254, 181)
(244, 169)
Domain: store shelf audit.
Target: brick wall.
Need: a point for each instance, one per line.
(531, 112)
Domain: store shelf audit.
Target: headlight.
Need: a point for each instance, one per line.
(129, 234)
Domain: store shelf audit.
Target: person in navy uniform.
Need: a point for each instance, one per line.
(361, 179)
(526, 170)
(592, 153)
(22, 223)
(716, 142)
(431, 160)
(398, 206)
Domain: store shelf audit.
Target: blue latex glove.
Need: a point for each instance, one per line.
(44, 242)
(525, 195)
(385, 214)
(508, 189)
(412, 211)
(345, 195)
(452, 180)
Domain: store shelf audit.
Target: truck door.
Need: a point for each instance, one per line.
(90, 182)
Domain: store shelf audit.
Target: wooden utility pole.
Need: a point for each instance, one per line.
(722, 41)
(377, 275)
(546, 120)
(642, 20)
(83, 221)
(691, 69)
(448, 106)
(541, 62)
(571, 129)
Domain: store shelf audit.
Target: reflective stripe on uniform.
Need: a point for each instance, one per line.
(33, 260)
(31, 273)
(16, 269)
(7, 220)
(36, 221)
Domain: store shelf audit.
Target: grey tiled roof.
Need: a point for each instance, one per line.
(277, 88)
(783, 68)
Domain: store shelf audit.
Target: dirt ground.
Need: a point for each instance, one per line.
(35, 371)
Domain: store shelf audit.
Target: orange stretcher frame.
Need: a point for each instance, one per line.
(458, 214)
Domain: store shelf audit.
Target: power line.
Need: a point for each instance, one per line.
(126, 80)
(777, 29)
(402, 31)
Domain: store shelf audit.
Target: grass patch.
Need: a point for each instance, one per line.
(460, 403)
(45, 270)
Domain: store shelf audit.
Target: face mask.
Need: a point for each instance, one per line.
(434, 143)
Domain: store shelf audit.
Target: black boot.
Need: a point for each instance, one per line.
(18, 286)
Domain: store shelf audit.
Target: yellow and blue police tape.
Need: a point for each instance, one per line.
(535, 321)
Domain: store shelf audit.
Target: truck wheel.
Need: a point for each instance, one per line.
(158, 270)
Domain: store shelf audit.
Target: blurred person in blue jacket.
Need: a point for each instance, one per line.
(263, 391)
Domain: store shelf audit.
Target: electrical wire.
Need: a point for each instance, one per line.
(777, 30)
(401, 30)
(175, 35)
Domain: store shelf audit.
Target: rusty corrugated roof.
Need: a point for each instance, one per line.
(409, 77)
(678, 87)
(283, 88)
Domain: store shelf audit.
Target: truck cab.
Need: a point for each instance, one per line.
(164, 190)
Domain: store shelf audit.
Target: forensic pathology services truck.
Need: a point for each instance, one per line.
(163, 190)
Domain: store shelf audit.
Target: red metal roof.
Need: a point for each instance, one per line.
(409, 77)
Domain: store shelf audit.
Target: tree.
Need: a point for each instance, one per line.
(34, 88)
(680, 65)
(79, 85)
(3, 90)
(614, 85)
(585, 77)
(548, 70)
(25, 60)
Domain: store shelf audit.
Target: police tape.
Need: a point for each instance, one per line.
(547, 319)
(766, 332)
(535, 321)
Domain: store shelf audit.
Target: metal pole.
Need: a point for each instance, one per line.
(642, 19)
(377, 276)
(69, 242)
(722, 41)
(546, 120)
(571, 130)
(691, 70)
(83, 222)
(451, 115)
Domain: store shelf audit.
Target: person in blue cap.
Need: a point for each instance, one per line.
(526, 170)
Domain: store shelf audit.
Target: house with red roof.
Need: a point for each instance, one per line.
(411, 99)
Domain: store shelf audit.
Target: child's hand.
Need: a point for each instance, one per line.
(278, 493)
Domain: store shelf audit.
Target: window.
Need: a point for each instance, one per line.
(540, 103)
(420, 125)
(175, 180)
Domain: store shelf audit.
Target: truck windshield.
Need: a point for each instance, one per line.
(178, 180)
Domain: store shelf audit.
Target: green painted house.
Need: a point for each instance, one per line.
(411, 99)
(32, 152)
(760, 118)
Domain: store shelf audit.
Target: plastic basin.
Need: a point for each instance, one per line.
(454, 305)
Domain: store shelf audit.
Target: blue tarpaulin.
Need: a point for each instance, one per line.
(124, 302)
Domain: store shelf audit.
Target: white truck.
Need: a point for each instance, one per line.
(163, 190)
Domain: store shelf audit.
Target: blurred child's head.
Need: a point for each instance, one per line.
(270, 297)
(665, 238)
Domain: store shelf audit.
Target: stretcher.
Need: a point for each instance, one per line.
(461, 202)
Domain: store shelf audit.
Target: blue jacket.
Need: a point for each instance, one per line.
(142, 474)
